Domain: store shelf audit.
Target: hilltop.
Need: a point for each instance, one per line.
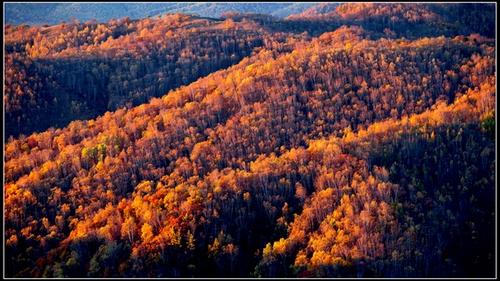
(409, 17)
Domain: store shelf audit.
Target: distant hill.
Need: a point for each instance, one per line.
(317, 10)
(53, 13)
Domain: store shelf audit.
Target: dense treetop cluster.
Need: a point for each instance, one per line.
(249, 147)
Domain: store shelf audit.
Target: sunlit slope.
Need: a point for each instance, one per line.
(79, 71)
(317, 162)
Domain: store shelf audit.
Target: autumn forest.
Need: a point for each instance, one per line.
(348, 140)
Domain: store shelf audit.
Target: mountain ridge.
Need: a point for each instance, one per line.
(29, 13)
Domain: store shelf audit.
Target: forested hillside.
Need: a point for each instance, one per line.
(409, 19)
(83, 70)
(274, 152)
